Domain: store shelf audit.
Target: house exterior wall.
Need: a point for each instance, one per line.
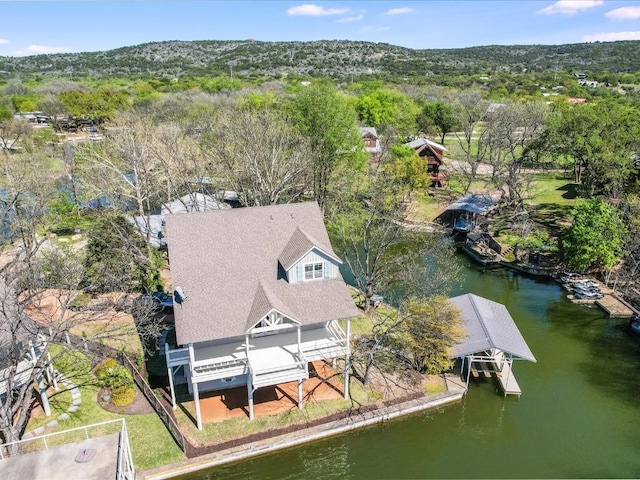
(296, 273)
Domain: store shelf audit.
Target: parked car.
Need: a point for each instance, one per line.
(160, 301)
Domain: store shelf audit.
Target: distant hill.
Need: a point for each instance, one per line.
(336, 58)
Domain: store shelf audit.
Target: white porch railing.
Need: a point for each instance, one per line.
(125, 469)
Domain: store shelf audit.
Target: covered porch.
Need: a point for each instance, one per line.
(266, 357)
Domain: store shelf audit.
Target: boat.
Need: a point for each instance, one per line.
(635, 324)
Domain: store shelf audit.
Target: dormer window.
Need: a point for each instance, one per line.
(313, 271)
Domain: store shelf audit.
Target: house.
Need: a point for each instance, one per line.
(22, 352)
(257, 296)
(371, 143)
(433, 153)
(154, 224)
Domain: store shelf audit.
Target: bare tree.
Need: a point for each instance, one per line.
(509, 131)
(259, 155)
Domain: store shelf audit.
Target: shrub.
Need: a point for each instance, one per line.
(105, 364)
(113, 376)
(122, 396)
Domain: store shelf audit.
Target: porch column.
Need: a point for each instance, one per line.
(52, 372)
(196, 399)
(250, 395)
(173, 393)
(43, 396)
(300, 382)
(347, 360)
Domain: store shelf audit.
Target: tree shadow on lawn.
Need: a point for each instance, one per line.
(553, 217)
(570, 191)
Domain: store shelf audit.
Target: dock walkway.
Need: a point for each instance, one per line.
(508, 381)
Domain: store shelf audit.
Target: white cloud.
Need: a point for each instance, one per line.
(624, 13)
(371, 28)
(570, 7)
(398, 11)
(316, 11)
(357, 18)
(3, 41)
(611, 36)
(41, 49)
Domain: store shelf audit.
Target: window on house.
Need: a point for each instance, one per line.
(314, 271)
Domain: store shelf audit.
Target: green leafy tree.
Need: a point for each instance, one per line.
(430, 328)
(116, 258)
(388, 108)
(439, 114)
(408, 170)
(329, 123)
(98, 105)
(596, 237)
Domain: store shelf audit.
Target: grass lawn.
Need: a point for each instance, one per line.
(151, 443)
(549, 188)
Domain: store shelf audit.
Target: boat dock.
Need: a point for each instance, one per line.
(506, 378)
(615, 306)
(508, 381)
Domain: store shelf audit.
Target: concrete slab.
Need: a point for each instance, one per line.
(58, 463)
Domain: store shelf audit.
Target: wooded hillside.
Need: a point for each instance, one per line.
(335, 58)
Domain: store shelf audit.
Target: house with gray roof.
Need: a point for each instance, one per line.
(257, 296)
(433, 154)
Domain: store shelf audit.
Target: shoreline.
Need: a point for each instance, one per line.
(244, 452)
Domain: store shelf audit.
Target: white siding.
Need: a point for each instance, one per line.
(296, 273)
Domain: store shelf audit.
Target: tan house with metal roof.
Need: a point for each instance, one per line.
(257, 296)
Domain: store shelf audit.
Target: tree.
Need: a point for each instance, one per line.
(439, 114)
(259, 155)
(329, 123)
(596, 237)
(510, 131)
(99, 105)
(431, 327)
(116, 258)
(408, 170)
(600, 139)
(383, 254)
(387, 107)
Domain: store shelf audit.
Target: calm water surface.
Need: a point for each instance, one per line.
(578, 417)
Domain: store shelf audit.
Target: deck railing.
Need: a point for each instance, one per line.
(125, 468)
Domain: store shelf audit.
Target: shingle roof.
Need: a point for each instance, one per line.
(227, 264)
(299, 245)
(488, 325)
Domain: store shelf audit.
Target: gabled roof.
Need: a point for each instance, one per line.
(488, 325)
(299, 245)
(474, 203)
(193, 202)
(227, 264)
(420, 144)
(368, 131)
(265, 302)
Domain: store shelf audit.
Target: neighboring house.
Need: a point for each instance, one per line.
(154, 224)
(193, 202)
(433, 153)
(588, 83)
(371, 143)
(257, 296)
(21, 351)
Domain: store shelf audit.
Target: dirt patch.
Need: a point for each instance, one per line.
(139, 406)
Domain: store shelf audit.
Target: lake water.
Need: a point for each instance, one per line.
(578, 417)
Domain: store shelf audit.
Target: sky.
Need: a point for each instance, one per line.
(37, 27)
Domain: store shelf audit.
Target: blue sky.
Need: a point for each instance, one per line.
(33, 27)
